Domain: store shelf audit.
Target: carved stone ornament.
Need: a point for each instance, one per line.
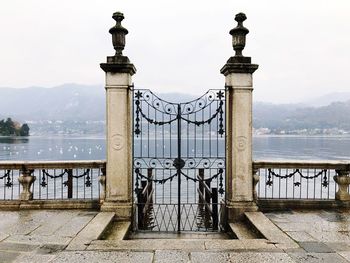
(117, 142)
(241, 143)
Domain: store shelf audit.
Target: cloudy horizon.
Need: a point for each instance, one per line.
(301, 47)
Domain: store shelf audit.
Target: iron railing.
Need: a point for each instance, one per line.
(53, 179)
(297, 179)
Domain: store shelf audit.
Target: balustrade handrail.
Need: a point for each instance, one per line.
(301, 164)
(52, 164)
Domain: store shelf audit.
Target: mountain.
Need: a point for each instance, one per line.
(297, 117)
(327, 99)
(65, 102)
(73, 108)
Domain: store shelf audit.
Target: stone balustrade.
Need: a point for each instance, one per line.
(26, 182)
(303, 180)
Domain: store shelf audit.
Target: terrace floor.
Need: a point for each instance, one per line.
(49, 236)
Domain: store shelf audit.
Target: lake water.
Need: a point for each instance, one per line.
(94, 148)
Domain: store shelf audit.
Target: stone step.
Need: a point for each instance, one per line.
(269, 230)
(116, 231)
(93, 231)
(242, 231)
(174, 235)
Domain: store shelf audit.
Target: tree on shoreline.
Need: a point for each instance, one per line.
(9, 127)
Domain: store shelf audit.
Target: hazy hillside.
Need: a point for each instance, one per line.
(296, 117)
(66, 102)
(70, 106)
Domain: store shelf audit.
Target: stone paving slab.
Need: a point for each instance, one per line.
(166, 256)
(6, 256)
(315, 247)
(33, 258)
(38, 240)
(7, 246)
(148, 245)
(243, 257)
(317, 258)
(300, 236)
(103, 257)
(74, 225)
(35, 244)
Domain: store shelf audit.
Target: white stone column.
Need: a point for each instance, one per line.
(119, 126)
(239, 83)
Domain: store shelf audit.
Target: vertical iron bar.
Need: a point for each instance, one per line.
(70, 184)
(178, 168)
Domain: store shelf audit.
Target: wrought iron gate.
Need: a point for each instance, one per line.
(178, 162)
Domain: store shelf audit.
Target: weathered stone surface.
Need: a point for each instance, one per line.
(330, 236)
(222, 245)
(49, 249)
(315, 247)
(75, 225)
(117, 231)
(6, 256)
(199, 257)
(103, 257)
(32, 257)
(242, 257)
(252, 257)
(345, 254)
(317, 258)
(148, 245)
(54, 221)
(6, 246)
(241, 231)
(92, 231)
(338, 246)
(269, 230)
(165, 256)
(300, 236)
(38, 240)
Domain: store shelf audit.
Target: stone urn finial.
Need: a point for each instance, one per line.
(118, 34)
(239, 35)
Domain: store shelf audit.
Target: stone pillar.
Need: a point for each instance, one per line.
(26, 179)
(343, 180)
(119, 126)
(239, 86)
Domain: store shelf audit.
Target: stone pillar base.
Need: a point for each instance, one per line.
(235, 210)
(123, 210)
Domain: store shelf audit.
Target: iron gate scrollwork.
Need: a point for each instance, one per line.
(178, 162)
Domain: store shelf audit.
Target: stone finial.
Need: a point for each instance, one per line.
(118, 63)
(239, 63)
(239, 34)
(118, 33)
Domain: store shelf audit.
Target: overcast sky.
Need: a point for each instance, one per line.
(302, 47)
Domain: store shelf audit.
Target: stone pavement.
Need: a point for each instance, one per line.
(45, 236)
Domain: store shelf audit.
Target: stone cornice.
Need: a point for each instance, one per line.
(118, 64)
(238, 64)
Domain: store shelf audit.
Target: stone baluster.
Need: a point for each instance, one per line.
(343, 180)
(256, 179)
(102, 181)
(26, 179)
